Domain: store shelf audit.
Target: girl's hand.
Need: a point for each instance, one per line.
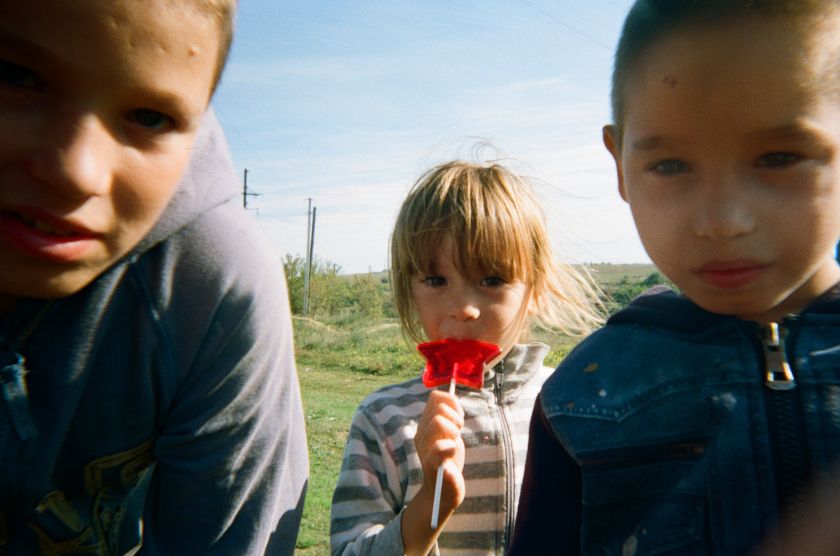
(438, 440)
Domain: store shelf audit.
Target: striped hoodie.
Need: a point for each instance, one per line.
(381, 472)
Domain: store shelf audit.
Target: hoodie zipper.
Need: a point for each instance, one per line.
(785, 418)
(507, 443)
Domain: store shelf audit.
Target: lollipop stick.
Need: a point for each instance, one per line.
(439, 478)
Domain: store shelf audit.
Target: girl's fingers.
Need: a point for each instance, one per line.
(443, 398)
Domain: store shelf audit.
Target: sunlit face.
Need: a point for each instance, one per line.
(452, 305)
(729, 162)
(99, 104)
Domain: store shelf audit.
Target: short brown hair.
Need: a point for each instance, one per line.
(224, 12)
(649, 21)
(498, 227)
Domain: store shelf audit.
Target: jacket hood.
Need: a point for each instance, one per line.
(209, 180)
(662, 307)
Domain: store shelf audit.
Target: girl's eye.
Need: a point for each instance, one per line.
(151, 119)
(18, 77)
(778, 160)
(434, 281)
(492, 281)
(669, 167)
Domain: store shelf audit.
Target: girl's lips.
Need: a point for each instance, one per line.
(731, 274)
(44, 236)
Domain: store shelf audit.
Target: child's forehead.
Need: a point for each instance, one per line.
(115, 50)
(748, 76)
(122, 25)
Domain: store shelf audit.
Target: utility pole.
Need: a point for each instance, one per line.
(245, 193)
(310, 245)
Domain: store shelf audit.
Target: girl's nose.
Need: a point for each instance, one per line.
(75, 158)
(463, 309)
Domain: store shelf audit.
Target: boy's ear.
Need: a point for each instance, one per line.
(609, 133)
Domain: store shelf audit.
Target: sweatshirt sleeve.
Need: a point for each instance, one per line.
(231, 458)
(367, 503)
(548, 517)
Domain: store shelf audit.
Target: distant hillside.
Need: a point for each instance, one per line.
(607, 274)
(611, 274)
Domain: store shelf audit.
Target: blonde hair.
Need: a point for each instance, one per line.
(498, 227)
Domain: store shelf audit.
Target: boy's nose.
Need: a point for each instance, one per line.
(74, 159)
(722, 212)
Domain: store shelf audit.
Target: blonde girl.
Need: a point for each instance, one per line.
(470, 258)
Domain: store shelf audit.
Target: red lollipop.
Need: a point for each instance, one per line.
(451, 358)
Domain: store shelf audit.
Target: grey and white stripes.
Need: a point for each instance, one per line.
(381, 472)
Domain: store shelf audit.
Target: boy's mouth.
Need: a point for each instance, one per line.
(731, 274)
(46, 227)
(39, 234)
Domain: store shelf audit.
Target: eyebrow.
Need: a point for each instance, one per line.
(14, 41)
(650, 143)
(798, 131)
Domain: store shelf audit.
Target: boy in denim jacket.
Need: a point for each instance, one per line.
(694, 423)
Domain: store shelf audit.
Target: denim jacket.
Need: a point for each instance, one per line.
(677, 431)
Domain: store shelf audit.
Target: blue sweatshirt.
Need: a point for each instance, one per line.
(159, 405)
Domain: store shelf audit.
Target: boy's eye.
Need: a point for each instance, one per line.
(669, 167)
(13, 75)
(150, 119)
(434, 281)
(493, 281)
(778, 160)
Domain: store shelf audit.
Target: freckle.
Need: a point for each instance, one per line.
(670, 80)
(591, 368)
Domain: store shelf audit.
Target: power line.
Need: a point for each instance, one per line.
(566, 25)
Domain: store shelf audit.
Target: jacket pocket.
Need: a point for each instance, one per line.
(645, 500)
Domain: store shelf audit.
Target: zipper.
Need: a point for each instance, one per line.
(784, 414)
(507, 443)
(778, 374)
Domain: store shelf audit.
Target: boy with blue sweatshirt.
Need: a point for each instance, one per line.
(148, 396)
(693, 423)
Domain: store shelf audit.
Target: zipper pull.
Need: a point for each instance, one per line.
(779, 375)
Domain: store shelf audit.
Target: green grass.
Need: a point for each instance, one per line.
(338, 366)
(340, 363)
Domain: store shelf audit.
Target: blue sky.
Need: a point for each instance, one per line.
(349, 102)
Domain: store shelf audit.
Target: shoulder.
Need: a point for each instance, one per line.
(219, 258)
(215, 288)
(656, 344)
